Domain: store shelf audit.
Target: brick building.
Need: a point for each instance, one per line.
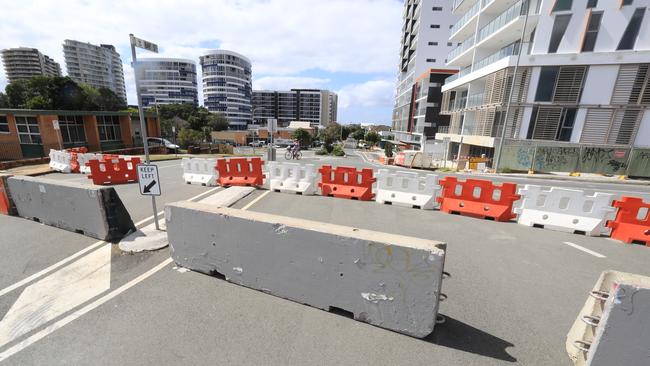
(28, 133)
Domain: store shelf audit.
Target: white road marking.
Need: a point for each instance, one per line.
(255, 201)
(57, 293)
(169, 166)
(589, 251)
(58, 264)
(86, 309)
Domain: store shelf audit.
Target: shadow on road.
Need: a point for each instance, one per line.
(460, 336)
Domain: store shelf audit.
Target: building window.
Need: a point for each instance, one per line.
(632, 30)
(28, 131)
(559, 28)
(592, 32)
(72, 129)
(566, 124)
(433, 43)
(431, 60)
(109, 128)
(437, 8)
(592, 3)
(561, 5)
(435, 26)
(4, 124)
(547, 78)
(628, 2)
(449, 44)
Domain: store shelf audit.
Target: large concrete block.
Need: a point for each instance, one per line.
(387, 280)
(94, 211)
(613, 327)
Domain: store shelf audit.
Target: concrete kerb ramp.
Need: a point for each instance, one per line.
(387, 280)
(94, 211)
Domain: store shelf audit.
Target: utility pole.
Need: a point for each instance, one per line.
(136, 42)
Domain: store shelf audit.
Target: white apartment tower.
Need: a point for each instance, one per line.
(583, 75)
(23, 63)
(97, 66)
(422, 69)
(167, 81)
(227, 86)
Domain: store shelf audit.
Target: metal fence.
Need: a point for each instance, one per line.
(549, 156)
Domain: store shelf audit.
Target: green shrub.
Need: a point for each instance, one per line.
(338, 151)
(388, 150)
(321, 152)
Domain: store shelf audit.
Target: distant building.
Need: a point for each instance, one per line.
(427, 25)
(227, 86)
(23, 63)
(167, 81)
(97, 66)
(318, 107)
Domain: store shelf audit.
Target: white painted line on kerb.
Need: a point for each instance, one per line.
(589, 251)
(86, 309)
(58, 264)
(255, 201)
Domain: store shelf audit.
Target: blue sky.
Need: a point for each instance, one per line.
(347, 46)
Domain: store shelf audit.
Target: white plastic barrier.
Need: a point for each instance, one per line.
(565, 209)
(60, 161)
(199, 170)
(84, 158)
(407, 189)
(292, 178)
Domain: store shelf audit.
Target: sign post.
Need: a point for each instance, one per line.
(141, 43)
(55, 125)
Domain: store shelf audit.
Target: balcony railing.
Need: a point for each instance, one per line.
(509, 50)
(518, 9)
(457, 3)
(469, 42)
(465, 18)
(464, 71)
(475, 100)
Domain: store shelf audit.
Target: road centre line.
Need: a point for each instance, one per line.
(60, 263)
(589, 251)
(86, 309)
(251, 203)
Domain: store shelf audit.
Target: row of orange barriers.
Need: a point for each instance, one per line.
(473, 197)
(113, 170)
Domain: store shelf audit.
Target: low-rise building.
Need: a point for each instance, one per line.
(26, 133)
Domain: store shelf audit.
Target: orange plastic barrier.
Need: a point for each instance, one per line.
(240, 172)
(5, 205)
(74, 162)
(627, 226)
(116, 171)
(344, 183)
(477, 198)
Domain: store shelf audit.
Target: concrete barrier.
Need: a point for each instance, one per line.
(613, 327)
(387, 280)
(565, 210)
(407, 189)
(94, 211)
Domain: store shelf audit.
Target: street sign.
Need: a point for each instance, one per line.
(141, 43)
(55, 125)
(148, 179)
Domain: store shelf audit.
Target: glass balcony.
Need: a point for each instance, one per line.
(475, 100)
(464, 71)
(509, 50)
(465, 18)
(467, 44)
(518, 9)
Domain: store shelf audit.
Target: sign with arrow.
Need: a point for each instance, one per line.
(148, 179)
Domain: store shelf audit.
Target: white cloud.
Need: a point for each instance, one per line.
(372, 93)
(283, 38)
(288, 82)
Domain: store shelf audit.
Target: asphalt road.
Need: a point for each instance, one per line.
(513, 294)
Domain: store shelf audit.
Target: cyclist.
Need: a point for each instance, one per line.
(295, 148)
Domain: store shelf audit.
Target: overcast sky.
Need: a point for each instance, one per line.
(347, 46)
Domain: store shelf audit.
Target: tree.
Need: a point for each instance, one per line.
(372, 137)
(109, 101)
(218, 122)
(388, 149)
(17, 94)
(330, 134)
(303, 136)
(4, 101)
(358, 134)
(187, 137)
(180, 110)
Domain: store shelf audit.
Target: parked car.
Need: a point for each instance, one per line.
(258, 143)
(158, 142)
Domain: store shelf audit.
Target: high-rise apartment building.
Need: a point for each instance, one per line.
(583, 74)
(422, 69)
(97, 66)
(318, 107)
(227, 86)
(23, 63)
(167, 81)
